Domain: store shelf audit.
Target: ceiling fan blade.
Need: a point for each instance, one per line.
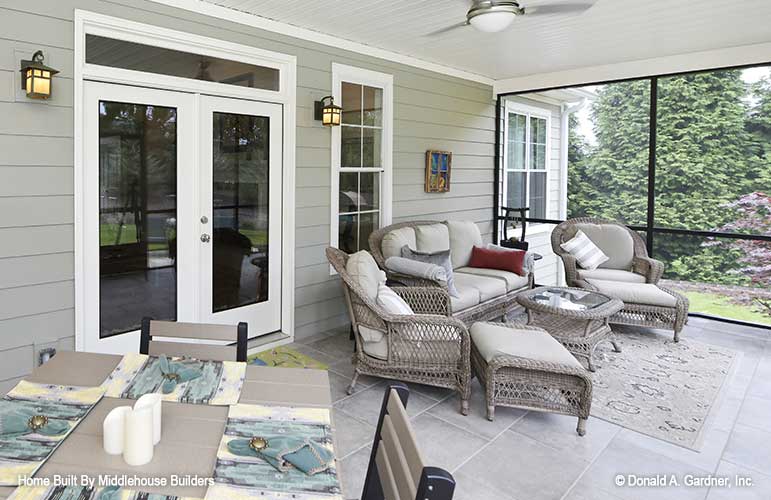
(447, 29)
(558, 8)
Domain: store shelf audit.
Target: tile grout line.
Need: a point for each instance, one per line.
(488, 443)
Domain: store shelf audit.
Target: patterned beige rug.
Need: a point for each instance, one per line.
(659, 388)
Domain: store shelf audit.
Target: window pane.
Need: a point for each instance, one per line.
(516, 189)
(608, 154)
(240, 208)
(351, 103)
(516, 156)
(537, 130)
(138, 57)
(350, 148)
(370, 191)
(720, 276)
(348, 233)
(371, 156)
(368, 223)
(537, 157)
(137, 215)
(538, 195)
(516, 127)
(713, 152)
(373, 106)
(349, 188)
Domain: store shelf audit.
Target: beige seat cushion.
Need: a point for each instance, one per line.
(467, 297)
(487, 287)
(463, 236)
(513, 280)
(431, 238)
(393, 241)
(493, 340)
(638, 293)
(611, 275)
(363, 270)
(377, 349)
(614, 241)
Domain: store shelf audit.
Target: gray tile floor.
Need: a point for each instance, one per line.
(537, 456)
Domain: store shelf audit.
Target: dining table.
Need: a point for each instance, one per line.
(191, 433)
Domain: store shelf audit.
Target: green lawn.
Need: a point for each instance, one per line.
(718, 305)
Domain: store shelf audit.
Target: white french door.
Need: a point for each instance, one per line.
(181, 212)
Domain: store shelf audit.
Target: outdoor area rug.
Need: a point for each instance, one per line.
(285, 357)
(659, 388)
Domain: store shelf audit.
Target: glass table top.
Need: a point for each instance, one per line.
(573, 300)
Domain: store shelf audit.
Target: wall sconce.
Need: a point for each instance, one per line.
(36, 77)
(328, 112)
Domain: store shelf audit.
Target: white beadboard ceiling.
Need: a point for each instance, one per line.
(611, 31)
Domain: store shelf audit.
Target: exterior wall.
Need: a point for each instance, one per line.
(431, 111)
(548, 271)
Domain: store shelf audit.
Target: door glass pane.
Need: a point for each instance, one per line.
(367, 224)
(351, 103)
(537, 130)
(137, 215)
(538, 195)
(349, 188)
(373, 106)
(350, 150)
(240, 202)
(139, 57)
(516, 190)
(369, 191)
(538, 156)
(371, 147)
(348, 233)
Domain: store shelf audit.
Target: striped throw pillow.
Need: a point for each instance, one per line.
(391, 302)
(587, 254)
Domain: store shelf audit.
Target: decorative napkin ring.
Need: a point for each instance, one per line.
(37, 422)
(258, 443)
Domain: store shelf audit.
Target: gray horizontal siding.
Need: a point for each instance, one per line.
(431, 111)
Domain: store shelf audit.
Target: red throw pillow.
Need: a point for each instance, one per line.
(505, 260)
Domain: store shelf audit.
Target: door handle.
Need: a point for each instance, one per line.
(205, 238)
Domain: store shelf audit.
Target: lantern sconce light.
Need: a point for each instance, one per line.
(327, 112)
(36, 77)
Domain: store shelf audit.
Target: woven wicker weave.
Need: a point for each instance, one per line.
(670, 318)
(495, 308)
(535, 385)
(429, 347)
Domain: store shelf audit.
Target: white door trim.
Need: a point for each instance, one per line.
(89, 22)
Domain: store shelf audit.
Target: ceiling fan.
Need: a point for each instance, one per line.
(492, 16)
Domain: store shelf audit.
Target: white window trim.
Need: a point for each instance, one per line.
(113, 27)
(343, 73)
(527, 111)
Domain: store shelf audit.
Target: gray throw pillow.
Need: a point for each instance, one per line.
(415, 268)
(441, 259)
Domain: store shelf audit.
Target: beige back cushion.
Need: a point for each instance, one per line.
(432, 238)
(463, 236)
(363, 270)
(393, 242)
(614, 241)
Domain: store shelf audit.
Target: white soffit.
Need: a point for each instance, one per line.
(610, 32)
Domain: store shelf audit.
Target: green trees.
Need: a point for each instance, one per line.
(713, 148)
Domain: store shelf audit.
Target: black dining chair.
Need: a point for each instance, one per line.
(396, 469)
(229, 341)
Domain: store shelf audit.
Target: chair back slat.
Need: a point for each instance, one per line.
(387, 481)
(396, 470)
(236, 335)
(391, 443)
(407, 442)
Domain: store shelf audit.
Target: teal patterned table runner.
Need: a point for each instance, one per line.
(239, 476)
(219, 383)
(55, 410)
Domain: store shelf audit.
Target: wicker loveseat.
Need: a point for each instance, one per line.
(628, 274)
(428, 347)
(484, 294)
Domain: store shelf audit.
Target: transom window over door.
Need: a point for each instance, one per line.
(526, 159)
(361, 157)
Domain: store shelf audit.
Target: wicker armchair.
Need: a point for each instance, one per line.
(643, 265)
(429, 347)
(492, 309)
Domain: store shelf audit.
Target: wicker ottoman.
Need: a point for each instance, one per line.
(524, 367)
(646, 304)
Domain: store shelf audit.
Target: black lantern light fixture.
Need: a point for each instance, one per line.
(36, 77)
(328, 112)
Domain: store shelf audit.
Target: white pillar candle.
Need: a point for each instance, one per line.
(113, 430)
(138, 436)
(155, 402)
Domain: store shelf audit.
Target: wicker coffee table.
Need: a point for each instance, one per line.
(576, 317)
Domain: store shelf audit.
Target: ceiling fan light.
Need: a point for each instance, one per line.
(492, 22)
